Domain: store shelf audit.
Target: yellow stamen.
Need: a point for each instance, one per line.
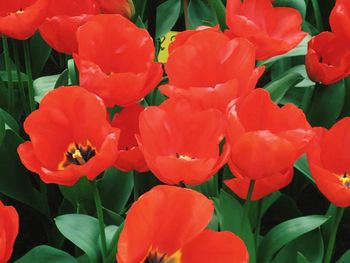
(155, 256)
(345, 180)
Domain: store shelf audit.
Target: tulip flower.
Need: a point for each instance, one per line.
(208, 68)
(116, 60)
(265, 140)
(130, 156)
(273, 30)
(122, 7)
(70, 137)
(340, 19)
(63, 19)
(180, 142)
(167, 224)
(9, 224)
(329, 162)
(19, 19)
(328, 58)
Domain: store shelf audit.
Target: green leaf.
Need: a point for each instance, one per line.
(302, 259)
(2, 129)
(115, 189)
(10, 122)
(326, 105)
(82, 231)
(220, 11)
(299, 5)
(14, 178)
(345, 258)
(200, 14)
(230, 212)
(167, 15)
(72, 73)
(302, 165)
(45, 254)
(286, 232)
(40, 53)
(279, 87)
(43, 85)
(62, 79)
(4, 76)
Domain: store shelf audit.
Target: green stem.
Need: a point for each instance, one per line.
(247, 204)
(10, 91)
(258, 223)
(185, 7)
(28, 64)
(317, 12)
(99, 212)
(22, 93)
(334, 229)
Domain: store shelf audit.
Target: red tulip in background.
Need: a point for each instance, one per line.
(206, 67)
(329, 162)
(122, 7)
(328, 58)
(340, 19)
(167, 224)
(130, 156)
(116, 60)
(9, 224)
(70, 137)
(19, 19)
(265, 140)
(180, 142)
(273, 30)
(63, 19)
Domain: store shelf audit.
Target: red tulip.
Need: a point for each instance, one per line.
(70, 137)
(273, 30)
(9, 224)
(122, 7)
(167, 224)
(206, 67)
(130, 156)
(62, 22)
(115, 60)
(340, 19)
(180, 142)
(328, 58)
(19, 19)
(329, 162)
(265, 140)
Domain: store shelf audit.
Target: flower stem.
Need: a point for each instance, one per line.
(258, 223)
(247, 204)
(333, 234)
(185, 8)
(10, 91)
(99, 212)
(28, 64)
(22, 93)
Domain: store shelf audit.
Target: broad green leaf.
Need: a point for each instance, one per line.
(302, 259)
(208, 188)
(302, 165)
(345, 258)
(115, 189)
(167, 15)
(82, 231)
(72, 73)
(279, 87)
(43, 85)
(200, 13)
(62, 79)
(268, 201)
(220, 11)
(45, 254)
(2, 129)
(300, 50)
(80, 194)
(10, 122)
(230, 212)
(326, 105)
(286, 232)
(307, 82)
(299, 5)
(14, 178)
(39, 52)
(113, 244)
(4, 76)
(110, 232)
(310, 245)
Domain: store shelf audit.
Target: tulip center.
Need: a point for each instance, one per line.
(184, 157)
(156, 257)
(20, 11)
(77, 154)
(345, 180)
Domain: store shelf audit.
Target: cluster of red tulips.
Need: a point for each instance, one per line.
(215, 114)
